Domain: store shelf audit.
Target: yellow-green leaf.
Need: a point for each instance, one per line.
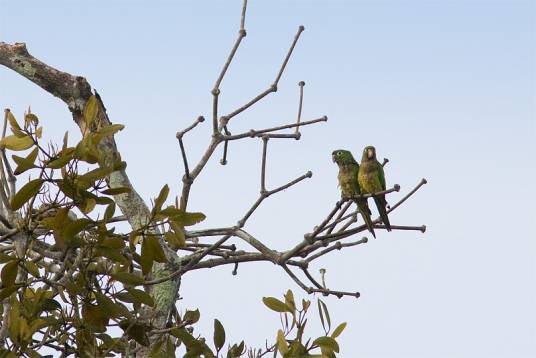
(116, 191)
(23, 164)
(327, 343)
(12, 121)
(90, 110)
(162, 196)
(282, 345)
(63, 158)
(289, 300)
(187, 219)
(337, 332)
(192, 316)
(275, 305)
(15, 143)
(31, 118)
(110, 130)
(25, 193)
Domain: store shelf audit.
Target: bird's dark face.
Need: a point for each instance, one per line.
(341, 156)
(369, 153)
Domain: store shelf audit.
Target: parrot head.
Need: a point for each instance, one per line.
(342, 157)
(369, 153)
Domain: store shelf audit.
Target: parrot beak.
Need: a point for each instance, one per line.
(370, 153)
(333, 158)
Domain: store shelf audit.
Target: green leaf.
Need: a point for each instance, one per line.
(156, 350)
(32, 268)
(275, 305)
(219, 335)
(113, 243)
(128, 278)
(178, 231)
(112, 254)
(25, 193)
(158, 252)
(140, 296)
(110, 308)
(75, 227)
(8, 291)
(327, 343)
(187, 219)
(337, 332)
(147, 256)
(151, 251)
(116, 191)
(90, 111)
(175, 240)
(192, 316)
(323, 308)
(109, 212)
(136, 331)
(5, 258)
(24, 164)
(49, 304)
(15, 143)
(9, 273)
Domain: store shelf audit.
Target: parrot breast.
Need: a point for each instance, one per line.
(348, 181)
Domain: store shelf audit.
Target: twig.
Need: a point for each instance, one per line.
(337, 218)
(263, 165)
(272, 88)
(259, 133)
(301, 84)
(337, 246)
(179, 136)
(216, 89)
(323, 291)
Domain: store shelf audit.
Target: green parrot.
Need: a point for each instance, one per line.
(348, 172)
(372, 180)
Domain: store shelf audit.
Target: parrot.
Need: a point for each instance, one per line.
(348, 173)
(371, 180)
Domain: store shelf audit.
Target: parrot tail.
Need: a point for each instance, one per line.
(381, 204)
(365, 213)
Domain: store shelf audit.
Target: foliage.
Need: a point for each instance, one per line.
(69, 280)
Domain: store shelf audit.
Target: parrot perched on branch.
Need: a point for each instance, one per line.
(348, 183)
(372, 180)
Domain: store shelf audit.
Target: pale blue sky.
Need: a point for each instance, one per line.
(445, 89)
